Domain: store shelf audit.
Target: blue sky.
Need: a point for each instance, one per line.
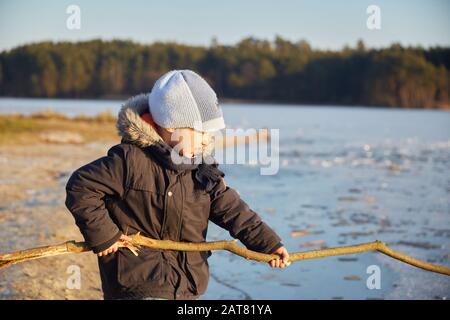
(324, 24)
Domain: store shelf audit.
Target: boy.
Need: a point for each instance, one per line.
(138, 187)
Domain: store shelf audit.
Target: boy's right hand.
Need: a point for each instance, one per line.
(114, 247)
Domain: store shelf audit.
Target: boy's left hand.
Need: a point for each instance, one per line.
(283, 262)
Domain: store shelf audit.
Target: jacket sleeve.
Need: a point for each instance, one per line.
(230, 212)
(85, 194)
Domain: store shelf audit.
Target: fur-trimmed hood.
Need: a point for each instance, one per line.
(131, 127)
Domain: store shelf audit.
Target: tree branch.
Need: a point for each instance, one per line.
(231, 246)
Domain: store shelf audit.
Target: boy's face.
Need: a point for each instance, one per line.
(189, 142)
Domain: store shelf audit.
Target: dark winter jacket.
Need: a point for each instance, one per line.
(128, 191)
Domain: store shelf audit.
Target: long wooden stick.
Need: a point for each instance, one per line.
(138, 241)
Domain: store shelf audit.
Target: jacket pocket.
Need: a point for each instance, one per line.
(199, 269)
(136, 271)
(199, 204)
(195, 216)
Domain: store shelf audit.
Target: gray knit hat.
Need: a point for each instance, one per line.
(183, 99)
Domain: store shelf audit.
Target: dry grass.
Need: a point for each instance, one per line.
(46, 125)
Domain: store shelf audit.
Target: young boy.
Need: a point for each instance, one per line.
(138, 187)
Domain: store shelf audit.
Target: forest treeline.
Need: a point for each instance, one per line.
(262, 70)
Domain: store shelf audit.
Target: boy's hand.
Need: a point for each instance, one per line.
(114, 247)
(283, 262)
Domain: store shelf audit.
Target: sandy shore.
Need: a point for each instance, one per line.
(32, 213)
